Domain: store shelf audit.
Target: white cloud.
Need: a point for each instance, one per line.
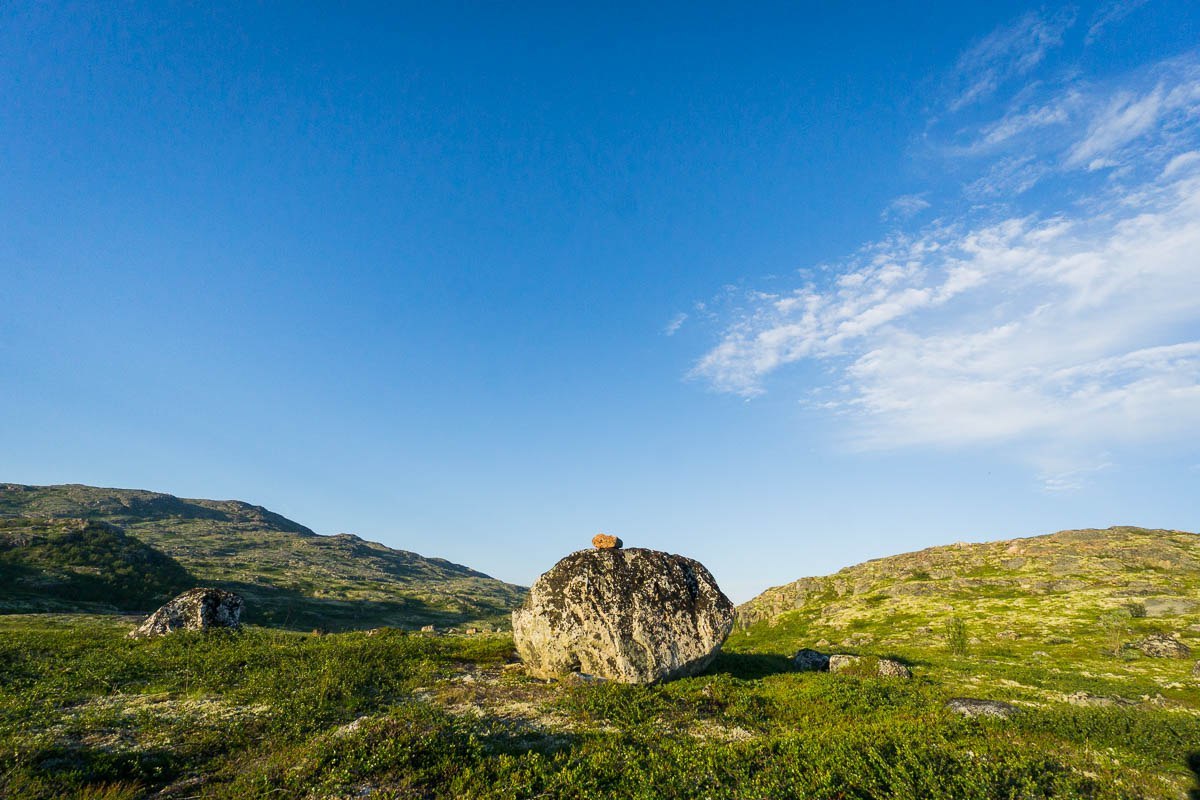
(675, 324)
(1126, 118)
(1008, 52)
(1080, 329)
(905, 207)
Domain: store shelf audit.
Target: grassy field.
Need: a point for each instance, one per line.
(86, 712)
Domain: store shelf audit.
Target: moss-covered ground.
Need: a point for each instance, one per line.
(86, 712)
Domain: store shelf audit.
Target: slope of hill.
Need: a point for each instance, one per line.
(288, 574)
(68, 564)
(1034, 619)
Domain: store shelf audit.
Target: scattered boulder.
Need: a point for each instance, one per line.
(891, 668)
(841, 662)
(971, 707)
(195, 610)
(807, 660)
(1162, 645)
(428, 629)
(883, 667)
(602, 541)
(634, 616)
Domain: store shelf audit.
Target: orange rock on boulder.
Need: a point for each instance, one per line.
(603, 541)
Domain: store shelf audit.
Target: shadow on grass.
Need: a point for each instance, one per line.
(1193, 762)
(279, 607)
(749, 666)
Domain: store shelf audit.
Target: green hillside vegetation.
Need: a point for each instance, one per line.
(289, 575)
(58, 564)
(1037, 621)
(267, 713)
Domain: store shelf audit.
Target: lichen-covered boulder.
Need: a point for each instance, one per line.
(863, 665)
(629, 615)
(972, 707)
(194, 610)
(1162, 645)
(809, 660)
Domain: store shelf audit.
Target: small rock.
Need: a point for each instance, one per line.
(1162, 645)
(1196, 670)
(428, 629)
(194, 610)
(884, 667)
(1097, 701)
(602, 541)
(471, 631)
(971, 707)
(891, 668)
(841, 662)
(808, 660)
(583, 678)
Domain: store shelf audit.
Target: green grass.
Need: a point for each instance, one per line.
(263, 713)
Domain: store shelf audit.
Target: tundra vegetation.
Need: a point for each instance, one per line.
(1050, 625)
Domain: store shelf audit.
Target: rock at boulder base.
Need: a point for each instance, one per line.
(194, 610)
(602, 541)
(634, 616)
(1161, 645)
(971, 707)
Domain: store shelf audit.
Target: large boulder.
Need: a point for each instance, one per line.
(194, 610)
(630, 615)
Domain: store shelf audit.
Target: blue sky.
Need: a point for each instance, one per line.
(782, 288)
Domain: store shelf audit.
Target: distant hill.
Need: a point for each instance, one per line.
(289, 575)
(1070, 586)
(68, 564)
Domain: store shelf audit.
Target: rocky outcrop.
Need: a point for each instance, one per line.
(194, 610)
(971, 707)
(602, 541)
(1162, 645)
(629, 615)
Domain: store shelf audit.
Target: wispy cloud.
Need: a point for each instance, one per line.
(905, 207)
(675, 324)
(1066, 329)
(1082, 327)
(1110, 14)
(1008, 52)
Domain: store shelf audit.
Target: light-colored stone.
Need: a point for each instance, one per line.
(971, 707)
(841, 662)
(883, 667)
(891, 668)
(195, 610)
(602, 541)
(634, 616)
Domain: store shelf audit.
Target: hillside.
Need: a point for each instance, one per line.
(289, 575)
(69, 564)
(1036, 620)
